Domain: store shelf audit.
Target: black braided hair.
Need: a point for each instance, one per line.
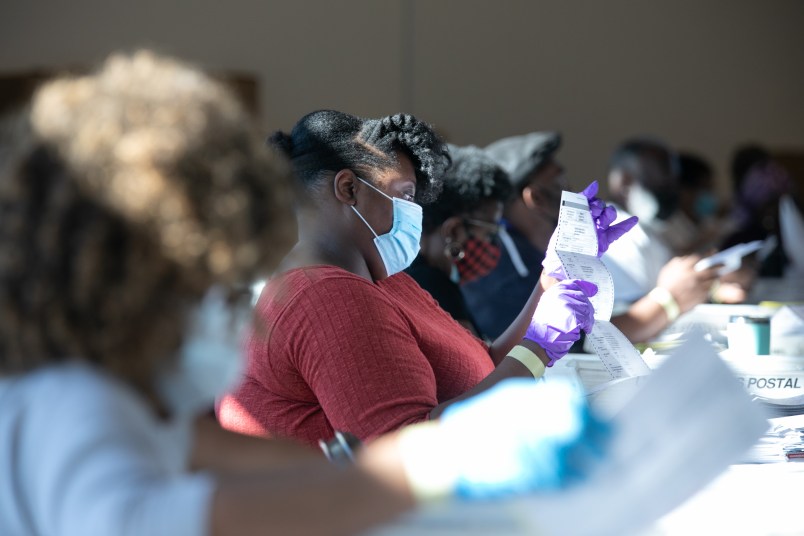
(326, 141)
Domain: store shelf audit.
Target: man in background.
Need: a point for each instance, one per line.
(652, 288)
(529, 217)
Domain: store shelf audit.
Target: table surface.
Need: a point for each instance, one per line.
(747, 499)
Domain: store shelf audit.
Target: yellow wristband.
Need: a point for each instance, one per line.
(529, 359)
(663, 297)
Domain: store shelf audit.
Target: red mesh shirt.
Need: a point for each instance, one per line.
(331, 350)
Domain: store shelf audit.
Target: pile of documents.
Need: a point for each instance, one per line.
(784, 441)
(782, 407)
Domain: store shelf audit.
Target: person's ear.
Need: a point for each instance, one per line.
(621, 177)
(452, 230)
(619, 184)
(345, 185)
(531, 197)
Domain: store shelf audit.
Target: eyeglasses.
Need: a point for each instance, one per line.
(493, 229)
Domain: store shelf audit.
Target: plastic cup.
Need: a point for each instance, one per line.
(749, 335)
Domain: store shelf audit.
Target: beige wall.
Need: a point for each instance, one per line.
(704, 74)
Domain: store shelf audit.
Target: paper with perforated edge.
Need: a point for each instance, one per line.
(576, 247)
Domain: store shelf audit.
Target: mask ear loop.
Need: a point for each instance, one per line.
(364, 220)
(367, 183)
(358, 212)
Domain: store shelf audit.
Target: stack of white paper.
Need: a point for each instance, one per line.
(784, 441)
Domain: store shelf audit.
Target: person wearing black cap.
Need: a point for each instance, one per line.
(529, 217)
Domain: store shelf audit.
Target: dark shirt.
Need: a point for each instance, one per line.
(497, 299)
(774, 263)
(446, 293)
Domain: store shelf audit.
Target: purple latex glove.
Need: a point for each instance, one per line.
(563, 311)
(603, 215)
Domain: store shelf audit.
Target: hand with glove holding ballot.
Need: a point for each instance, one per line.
(562, 313)
(564, 309)
(603, 215)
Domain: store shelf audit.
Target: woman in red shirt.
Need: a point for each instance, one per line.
(343, 339)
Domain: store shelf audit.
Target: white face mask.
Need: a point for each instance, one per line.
(210, 360)
(399, 246)
(642, 204)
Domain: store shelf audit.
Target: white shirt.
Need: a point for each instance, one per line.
(82, 454)
(791, 224)
(634, 261)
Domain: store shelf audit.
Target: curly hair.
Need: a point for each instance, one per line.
(473, 178)
(325, 142)
(125, 195)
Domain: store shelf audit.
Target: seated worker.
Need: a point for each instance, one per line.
(651, 287)
(791, 230)
(696, 226)
(759, 183)
(530, 216)
(350, 341)
(460, 231)
(133, 204)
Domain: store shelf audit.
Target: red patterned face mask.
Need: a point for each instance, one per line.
(479, 259)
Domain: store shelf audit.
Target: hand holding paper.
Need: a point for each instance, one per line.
(577, 242)
(730, 259)
(602, 215)
(563, 311)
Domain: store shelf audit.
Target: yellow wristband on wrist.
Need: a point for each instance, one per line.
(529, 359)
(663, 297)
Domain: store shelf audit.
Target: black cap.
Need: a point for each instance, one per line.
(519, 156)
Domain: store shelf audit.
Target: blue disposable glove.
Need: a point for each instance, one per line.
(563, 311)
(603, 215)
(519, 436)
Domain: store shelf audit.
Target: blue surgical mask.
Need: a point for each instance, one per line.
(399, 246)
(706, 204)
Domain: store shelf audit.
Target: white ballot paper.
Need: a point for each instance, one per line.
(685, 426)
(731, 259)
(576, 246)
